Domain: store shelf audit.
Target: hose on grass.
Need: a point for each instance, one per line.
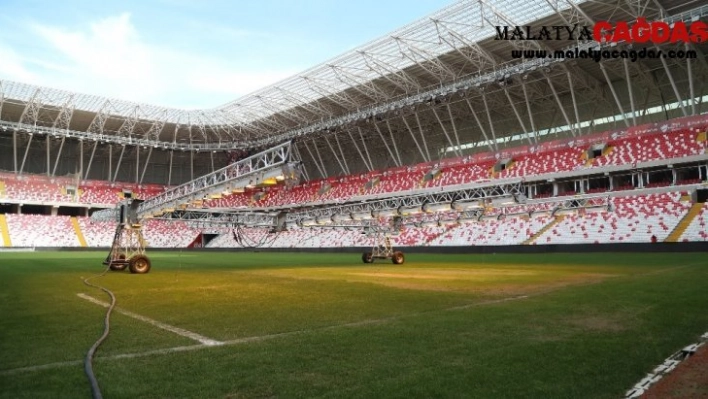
(88, 360)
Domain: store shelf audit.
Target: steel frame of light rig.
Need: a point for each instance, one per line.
(128, 247)
(382, 248)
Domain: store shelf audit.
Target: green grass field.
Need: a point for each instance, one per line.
(327, 325)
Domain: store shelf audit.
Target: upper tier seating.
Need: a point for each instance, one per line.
(33, 191)
(465, 173)
(548, 162)
(100, 195)
(646, 148)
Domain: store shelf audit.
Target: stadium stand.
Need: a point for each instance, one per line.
(548, 162)
(36, 191)
(634, 219)
(97, 233)
(41, 231)
(168, 234)
(100, 195)
(697, 229)
(631, 150)
(508, 231)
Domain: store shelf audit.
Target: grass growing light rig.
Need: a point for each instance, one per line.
(128, 247)
(383, 249)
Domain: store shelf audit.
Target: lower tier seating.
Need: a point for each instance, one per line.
(696, 231)
(636, 218)
(41, 231)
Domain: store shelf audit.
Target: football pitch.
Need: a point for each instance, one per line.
(251, 325)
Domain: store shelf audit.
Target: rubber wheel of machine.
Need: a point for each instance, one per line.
(367, 257)
(398, 258)
(139, 264)
(118, 266)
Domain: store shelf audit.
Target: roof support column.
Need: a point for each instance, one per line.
(422, 136)
(575, 103)
(24, 158)
(454, 128)
(518, 116)
(147, 162)
(314, 160)
(14, 149)
(366, 149)
(393, 157)
(120, 159)
(367, 164)
(489, 119)
(560, 105)
(614, 93)
(319, 156)
(393, 141)
(455, 149)
(137, 164)
(344, 158)
(690, 82)
(420, 150)
(93, 152)
(56, 161)
(528, 109)
(169, 173)
(110, 162)
(481, 128)
(336, 157)
(81, 157)
(48, 158)
(296, 151)
(629, 90)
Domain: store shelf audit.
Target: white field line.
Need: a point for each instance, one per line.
(245, 340)
(239, 341)
(662, 370)
(179, 331)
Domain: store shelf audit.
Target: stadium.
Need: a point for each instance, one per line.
(465, 207)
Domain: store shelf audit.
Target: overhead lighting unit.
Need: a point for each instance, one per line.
(362, 216)
(341, 217)
(308, 222)
(503, 201)
(467, 205)
(434, 208)
(386, 213)
(413, 210)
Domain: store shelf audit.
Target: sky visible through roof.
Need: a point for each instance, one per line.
(185, 54)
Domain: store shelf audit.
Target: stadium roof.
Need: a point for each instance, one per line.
(435, 55)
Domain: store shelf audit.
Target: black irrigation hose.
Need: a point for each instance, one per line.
(88, 361)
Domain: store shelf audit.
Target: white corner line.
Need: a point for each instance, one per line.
(664, 369)
(176, 330)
